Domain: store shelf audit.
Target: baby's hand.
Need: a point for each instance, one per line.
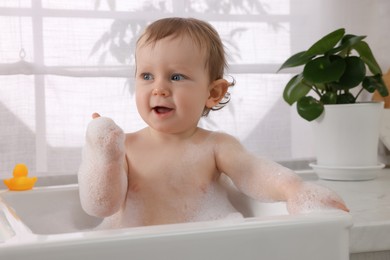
(95, 115)
(310, 197)
(104, 136)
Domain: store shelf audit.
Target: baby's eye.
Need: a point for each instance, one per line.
(177, 77)
(146, 76)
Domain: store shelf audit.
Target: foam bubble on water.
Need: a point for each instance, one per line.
(210, 206)
(128, 217)
(215, 205)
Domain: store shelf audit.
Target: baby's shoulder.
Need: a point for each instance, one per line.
(137, 136)
(219, 137)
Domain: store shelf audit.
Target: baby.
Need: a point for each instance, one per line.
(169, 171)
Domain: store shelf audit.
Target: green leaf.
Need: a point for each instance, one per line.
(372, 83)
(346, 37)
(329, 98)
(324, 69)
(309, 108)
(366, 55)
(326, 43)
(295, 89)
(355, 71)
(347, 42)
(297, 59)
(346, 98)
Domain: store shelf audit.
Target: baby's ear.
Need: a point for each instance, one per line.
(217, 89)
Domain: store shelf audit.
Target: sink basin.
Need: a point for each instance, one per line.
(49, 223)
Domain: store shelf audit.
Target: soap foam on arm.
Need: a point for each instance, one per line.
(257, 177)
(268, 181)
(102, 177)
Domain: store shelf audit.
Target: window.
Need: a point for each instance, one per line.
(60, 61)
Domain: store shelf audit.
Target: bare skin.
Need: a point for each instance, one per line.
(162, 189)
(168, 172)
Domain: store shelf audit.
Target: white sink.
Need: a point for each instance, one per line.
(49, 223)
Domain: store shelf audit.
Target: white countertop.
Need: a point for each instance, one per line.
(369, 204)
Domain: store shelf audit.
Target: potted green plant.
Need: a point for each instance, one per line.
(332, 70)
(337, 68)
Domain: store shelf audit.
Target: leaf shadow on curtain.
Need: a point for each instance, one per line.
(18, 143)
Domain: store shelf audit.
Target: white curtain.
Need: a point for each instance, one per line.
(60, 61)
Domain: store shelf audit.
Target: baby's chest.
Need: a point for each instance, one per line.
(164, 175)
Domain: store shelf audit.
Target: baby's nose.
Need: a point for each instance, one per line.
(160, 92)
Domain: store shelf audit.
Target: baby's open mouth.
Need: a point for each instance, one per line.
(162, 110)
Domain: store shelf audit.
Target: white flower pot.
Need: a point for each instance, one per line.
(346, 140)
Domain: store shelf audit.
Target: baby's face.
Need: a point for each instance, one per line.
(172, 84)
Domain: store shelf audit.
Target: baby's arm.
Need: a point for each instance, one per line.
(103, 171)
(268, 181)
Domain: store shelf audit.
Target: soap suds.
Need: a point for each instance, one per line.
(214, 205)
(105, 137)
(101, 177)
(211, 205)
(312, 197)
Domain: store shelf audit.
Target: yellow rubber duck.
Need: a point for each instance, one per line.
(20, 181)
